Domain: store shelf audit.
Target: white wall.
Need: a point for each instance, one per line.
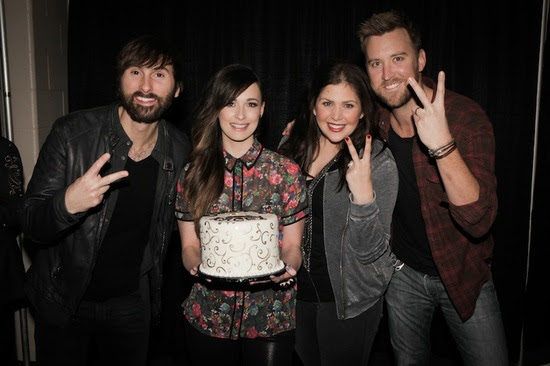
(36, 37)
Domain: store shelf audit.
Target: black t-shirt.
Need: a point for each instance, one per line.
(315, 285)
(409, 241)
(117, 268)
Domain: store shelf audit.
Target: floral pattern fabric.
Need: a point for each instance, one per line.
(262, 181)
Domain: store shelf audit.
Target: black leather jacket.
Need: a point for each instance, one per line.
(66, 246)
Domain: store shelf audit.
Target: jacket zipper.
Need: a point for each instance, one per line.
(341, 267)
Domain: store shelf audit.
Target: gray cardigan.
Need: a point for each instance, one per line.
(359, 259)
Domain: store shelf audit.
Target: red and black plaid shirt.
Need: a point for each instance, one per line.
(459, 236)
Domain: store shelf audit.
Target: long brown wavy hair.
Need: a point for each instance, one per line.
(203, 182)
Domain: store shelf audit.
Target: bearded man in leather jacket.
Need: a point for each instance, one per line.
(100, 210)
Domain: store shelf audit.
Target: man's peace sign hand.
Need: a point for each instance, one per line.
(431, 121)
(88, 190)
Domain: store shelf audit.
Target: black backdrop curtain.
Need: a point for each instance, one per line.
(489, 52)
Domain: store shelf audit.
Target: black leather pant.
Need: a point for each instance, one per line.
(323, 339)
(202, 349)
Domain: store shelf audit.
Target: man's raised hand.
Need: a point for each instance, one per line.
(88, 190)
(430, 120)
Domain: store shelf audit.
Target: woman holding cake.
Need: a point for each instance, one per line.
(239, 323)
(352, 188)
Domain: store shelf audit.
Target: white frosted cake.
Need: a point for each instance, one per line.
(240, 245)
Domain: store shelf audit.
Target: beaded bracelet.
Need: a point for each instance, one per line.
(442, 151)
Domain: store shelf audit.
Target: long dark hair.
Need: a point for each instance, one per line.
(303, 142)
(203, 183)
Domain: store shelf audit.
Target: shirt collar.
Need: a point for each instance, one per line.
(159, 152)
(249, 158)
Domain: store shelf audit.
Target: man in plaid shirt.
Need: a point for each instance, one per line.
(444, 147)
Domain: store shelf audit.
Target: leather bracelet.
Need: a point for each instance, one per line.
(446, 152)
(442, 151)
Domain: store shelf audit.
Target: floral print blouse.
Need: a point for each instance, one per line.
(262, 181)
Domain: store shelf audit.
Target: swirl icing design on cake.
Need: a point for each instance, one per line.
(240, 245)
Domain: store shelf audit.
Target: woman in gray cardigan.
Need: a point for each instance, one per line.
(352, 189)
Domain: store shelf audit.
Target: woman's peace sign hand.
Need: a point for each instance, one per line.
(358, 173)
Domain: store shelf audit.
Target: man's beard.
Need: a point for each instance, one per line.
(396, 101)
(142, 114)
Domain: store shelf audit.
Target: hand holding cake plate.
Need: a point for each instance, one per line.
(285, 280)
